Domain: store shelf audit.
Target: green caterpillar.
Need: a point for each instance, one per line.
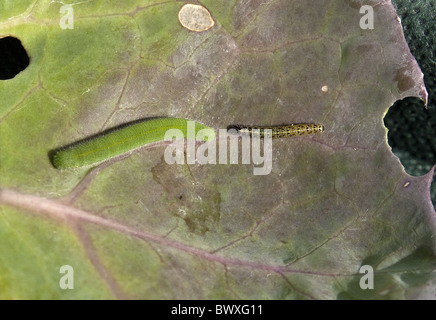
(121, 140)
(281, 131)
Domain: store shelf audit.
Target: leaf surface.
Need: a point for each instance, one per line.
(138, 227)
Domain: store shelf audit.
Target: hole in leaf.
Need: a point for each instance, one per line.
(411, 136)
(13, 57)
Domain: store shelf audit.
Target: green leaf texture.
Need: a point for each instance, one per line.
(137, 227)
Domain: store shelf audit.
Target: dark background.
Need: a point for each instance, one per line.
(412, 127)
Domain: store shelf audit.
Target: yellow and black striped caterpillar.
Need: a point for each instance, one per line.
(290, 130)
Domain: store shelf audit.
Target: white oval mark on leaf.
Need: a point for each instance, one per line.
(195, 17)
